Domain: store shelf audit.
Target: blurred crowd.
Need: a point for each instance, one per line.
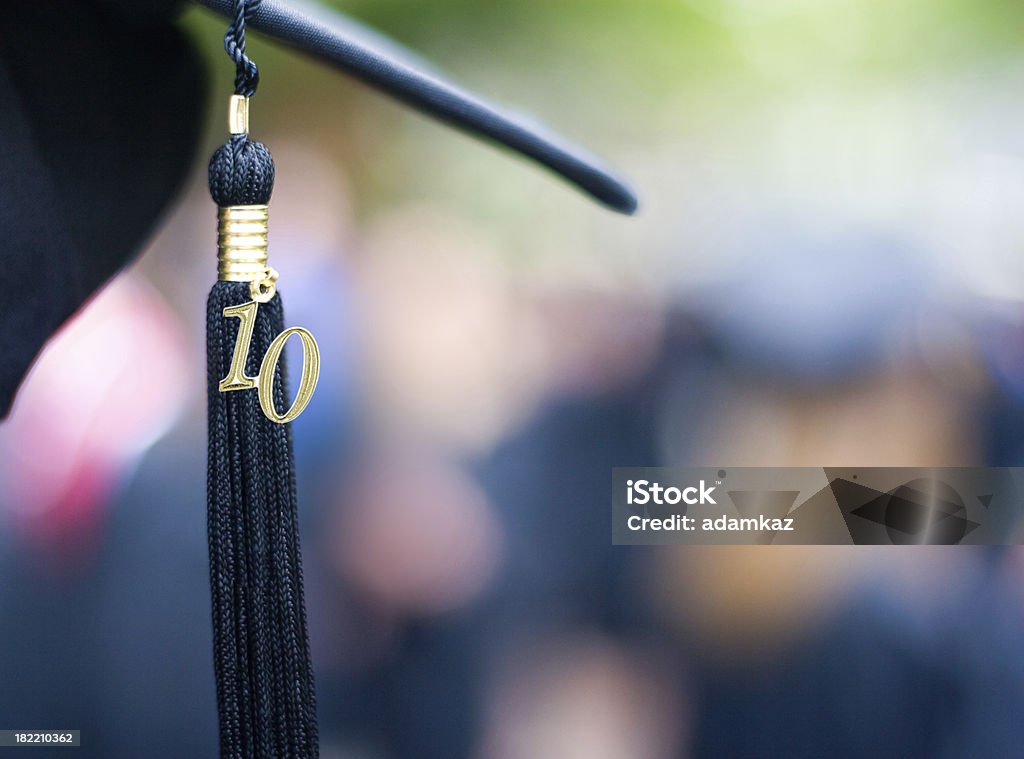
(825, 272)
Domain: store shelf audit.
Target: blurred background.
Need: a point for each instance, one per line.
(825, 271)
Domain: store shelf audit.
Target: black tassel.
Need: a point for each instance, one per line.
(265, 693)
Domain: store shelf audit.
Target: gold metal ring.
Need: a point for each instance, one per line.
(262, 290)
(242, 243)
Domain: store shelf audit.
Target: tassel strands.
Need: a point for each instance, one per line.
(264, 677)
(265, 694)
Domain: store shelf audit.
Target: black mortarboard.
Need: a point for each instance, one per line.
(81, 148)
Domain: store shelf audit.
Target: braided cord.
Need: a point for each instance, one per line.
(247, 75)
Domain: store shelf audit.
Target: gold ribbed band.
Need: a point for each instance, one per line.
(242, 243)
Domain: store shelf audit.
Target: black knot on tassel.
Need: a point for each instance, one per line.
(241, 173)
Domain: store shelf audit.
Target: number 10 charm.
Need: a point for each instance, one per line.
(264, 382)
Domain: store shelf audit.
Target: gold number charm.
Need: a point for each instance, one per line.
(264, 383)
(237, 378)
(310, 375)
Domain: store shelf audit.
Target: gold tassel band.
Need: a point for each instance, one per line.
(242, 243)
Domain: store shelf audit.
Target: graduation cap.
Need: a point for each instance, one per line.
(100, 112)
(101, 106)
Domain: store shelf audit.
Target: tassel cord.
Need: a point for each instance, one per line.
(265, 688)
(247, 74)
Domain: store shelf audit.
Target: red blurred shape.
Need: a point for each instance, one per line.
(107, 386)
